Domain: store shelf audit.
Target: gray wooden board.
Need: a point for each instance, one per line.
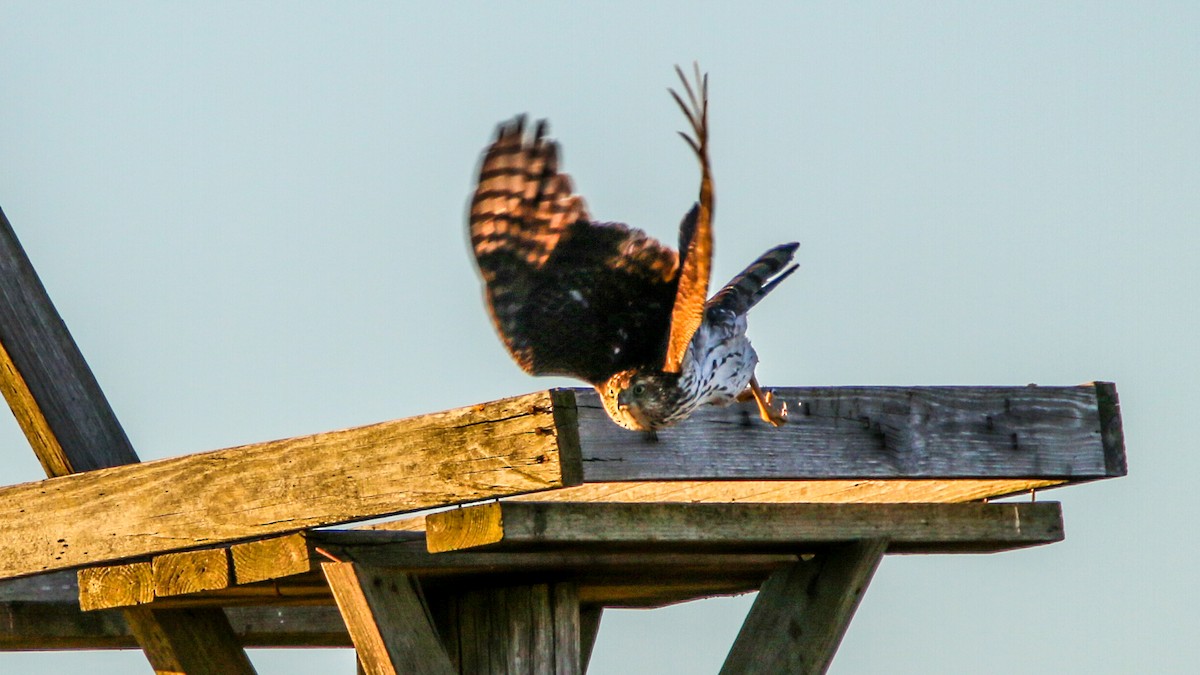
(801, 613)
(387, 620)
(913, 528)
(872, 432)
(42, 613)
(52, 367)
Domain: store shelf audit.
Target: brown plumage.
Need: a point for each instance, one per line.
(605, 303)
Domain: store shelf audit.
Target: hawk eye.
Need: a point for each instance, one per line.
(639, 389)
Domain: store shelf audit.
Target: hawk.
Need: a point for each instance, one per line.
(604, 302)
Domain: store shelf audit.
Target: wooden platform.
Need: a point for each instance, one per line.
(194, 558)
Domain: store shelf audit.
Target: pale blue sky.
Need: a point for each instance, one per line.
(251, 218)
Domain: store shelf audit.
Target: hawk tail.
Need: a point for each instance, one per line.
(754, 282)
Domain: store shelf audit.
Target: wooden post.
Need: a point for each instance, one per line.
(589, 630)
(801, 613)
(512, 629)
(71, 427)
(388, 621)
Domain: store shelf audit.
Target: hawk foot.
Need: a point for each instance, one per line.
(771, 412)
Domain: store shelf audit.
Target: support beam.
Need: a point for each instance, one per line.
(511, 629)
(71, 427)
(29, 626)
(911, 528)
(191, 641)
(589, 630)
(41, 613)
(115, 586)
(1064, 433)
(190, 572)
(45, 379)
(517, 445)
(388, 621)
(801, 613)
(619, 554)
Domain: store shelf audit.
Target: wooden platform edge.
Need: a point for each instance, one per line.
(1068, 433)
(489, 450)
(909, 528)
(1111, 430)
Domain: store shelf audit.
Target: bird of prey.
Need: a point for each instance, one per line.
(604, 302)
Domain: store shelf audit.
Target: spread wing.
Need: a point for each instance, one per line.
(695, 236)
(568, 296)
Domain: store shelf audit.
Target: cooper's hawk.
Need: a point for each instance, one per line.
(607, 304)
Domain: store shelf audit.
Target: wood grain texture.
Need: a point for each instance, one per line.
(567, 634)
(1112, 434)
(44, 377)
(614, 579)
(872, 432)
(522, 628)
(388, 621)
(897, 491)
(910, 528)
(589, 630)
(39, 624)
(116, 586)
(71, 427)
(190, 572)
(490, 450)
(192, 641)
(801, 614)
(271, 558)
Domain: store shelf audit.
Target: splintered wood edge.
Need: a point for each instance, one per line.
(467, 527)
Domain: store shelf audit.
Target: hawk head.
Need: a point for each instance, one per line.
(643, 400)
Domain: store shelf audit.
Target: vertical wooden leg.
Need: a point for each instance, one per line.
(387, 620)
(532, 629)
(801, 614)
(589, 628)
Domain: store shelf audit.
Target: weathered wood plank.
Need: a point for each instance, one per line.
(192, 641)
(1066, 433)
(625, 580)
(896, 491)
(911, 528)
(589, 630)
(33, 625)
(568, 629)
(507, 447)
(116, 586)
(71, 427)
(271, 558)
(44, 377)
(522, 628)
(387, 620)
(801, 614)
(190, 571)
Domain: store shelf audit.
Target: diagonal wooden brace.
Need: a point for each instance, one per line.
(802, 612)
